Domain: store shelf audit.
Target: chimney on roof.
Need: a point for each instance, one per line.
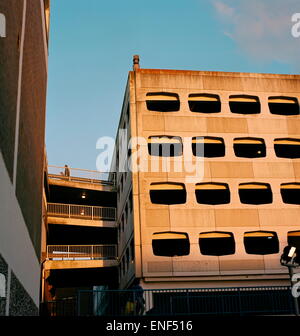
(136, 62)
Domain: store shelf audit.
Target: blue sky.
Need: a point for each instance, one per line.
(92, 43)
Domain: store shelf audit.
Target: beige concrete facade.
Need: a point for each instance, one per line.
(192, 218)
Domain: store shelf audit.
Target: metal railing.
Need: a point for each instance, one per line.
(81, 252)
(81, 175)
(64, 307)
(197, 301)
(81, 211)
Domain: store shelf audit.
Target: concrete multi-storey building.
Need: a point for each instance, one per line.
(23, 78)
(226, 225)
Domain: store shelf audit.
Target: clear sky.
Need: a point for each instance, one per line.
(92, 43)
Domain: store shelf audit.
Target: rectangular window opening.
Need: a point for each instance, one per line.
(162, 102)
(165, 146)
(216, 243)
(243, 104)
(249, 147)
(170, 244)
(290, 193)
(261, 242)
(212, 193)
(208, 147)
(255, 193)
(168, 193)
(204, 103)
(287, 148)
(284, 105)
(293, 238)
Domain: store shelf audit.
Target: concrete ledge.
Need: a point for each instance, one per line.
(71, 264)
(84, 185)
(81, 222)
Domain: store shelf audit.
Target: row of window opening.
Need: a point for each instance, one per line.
(207, 146)
(211, 103)
(214, 193)
(217, 243)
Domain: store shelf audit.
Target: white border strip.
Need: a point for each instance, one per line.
(19, 94)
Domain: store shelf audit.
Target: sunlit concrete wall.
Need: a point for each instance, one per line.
(193, 218)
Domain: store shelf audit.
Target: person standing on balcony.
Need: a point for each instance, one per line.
(67, 171)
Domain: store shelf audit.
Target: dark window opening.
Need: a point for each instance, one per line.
(249, 147)
(255, 193)
(287, 148)
(166, 146)
(170, 244)
(128, 113)
(293, 238)
(127, 258)
(204, 103)
(126, 211)
(261, 242)
(290, 193)
(163, 102)
(244, 104)
(284, 105)
(216, 243)
(130, 200)
(167, 193)
(208, 146)
(212, 193)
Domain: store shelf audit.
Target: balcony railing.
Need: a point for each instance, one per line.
(81, 252)
(81, 175)
(81, 211)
